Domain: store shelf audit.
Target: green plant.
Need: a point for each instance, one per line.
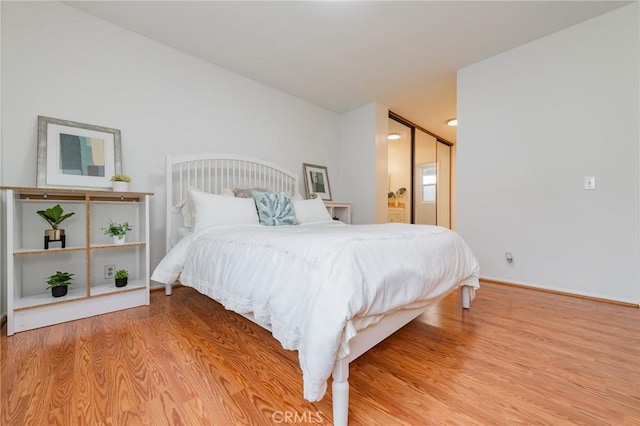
(120, 178)
(116, 229)
(54, 215)
(121, 273)
(60, 279)
(399, 193)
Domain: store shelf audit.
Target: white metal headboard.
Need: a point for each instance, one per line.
(215, 172)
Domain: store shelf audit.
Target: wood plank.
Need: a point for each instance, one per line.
(99, 193)
(518, 356)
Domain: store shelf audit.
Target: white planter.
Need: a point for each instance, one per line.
(120, 186)
(118, 240)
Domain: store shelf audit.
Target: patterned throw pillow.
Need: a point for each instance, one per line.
(274, 208)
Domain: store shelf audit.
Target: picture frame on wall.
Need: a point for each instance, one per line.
(77, 155)
(316, 181)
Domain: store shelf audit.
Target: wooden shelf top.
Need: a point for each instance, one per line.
(77, 191)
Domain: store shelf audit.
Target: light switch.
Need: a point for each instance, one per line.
(590, 182)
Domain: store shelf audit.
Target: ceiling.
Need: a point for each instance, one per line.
(344, 54)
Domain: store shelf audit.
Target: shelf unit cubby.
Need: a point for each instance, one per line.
(340, 210)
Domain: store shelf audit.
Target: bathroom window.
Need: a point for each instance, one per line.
(429, 179)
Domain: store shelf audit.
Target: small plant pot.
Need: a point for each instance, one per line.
(120, 186)
(118, 240)
(121, 282)
(51, 235)
(54, 234)
(59, 291)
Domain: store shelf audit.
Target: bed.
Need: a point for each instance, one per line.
(239, 232)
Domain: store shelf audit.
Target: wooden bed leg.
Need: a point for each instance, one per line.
(340, 389)
(465, 292)
(168, 288)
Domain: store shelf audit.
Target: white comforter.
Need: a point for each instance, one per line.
(316, 285)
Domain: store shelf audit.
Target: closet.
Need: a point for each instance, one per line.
(419, 168)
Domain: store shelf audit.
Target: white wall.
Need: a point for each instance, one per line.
(2, 218)
(363, 159)
(62, 63)
(534, 121)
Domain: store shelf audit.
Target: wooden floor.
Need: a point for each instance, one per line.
(517, 357)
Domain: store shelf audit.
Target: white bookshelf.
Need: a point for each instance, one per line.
(88, 251)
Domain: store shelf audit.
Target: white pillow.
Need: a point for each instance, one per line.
(312, 210)
(212, 210)
(185, 207)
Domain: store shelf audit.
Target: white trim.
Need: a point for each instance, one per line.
(9, 245)
(560, 290)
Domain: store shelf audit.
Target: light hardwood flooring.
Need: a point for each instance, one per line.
(517, 357)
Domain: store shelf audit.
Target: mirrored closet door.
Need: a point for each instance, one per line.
(419, 175)
(399, 198)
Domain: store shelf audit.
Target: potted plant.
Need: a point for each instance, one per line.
(54, 216)
(59, 282)
(122, 276)
(117, 231)
(396, 195)
(120, 182)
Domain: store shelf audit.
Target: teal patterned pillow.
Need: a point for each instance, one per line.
(274, 208)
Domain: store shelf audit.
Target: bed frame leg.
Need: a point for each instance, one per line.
(340, 389)
(465, 292)
(168, 288)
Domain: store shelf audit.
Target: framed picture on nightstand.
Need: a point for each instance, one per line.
(316, 179)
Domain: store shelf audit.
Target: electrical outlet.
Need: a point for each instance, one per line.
(509, 259)
(109, 271)
(589, 182)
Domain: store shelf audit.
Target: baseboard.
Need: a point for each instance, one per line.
(560, 292)
(3, 320)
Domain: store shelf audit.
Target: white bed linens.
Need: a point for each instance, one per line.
(315, 286)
